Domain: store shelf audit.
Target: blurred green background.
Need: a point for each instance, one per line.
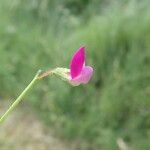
(114, 108)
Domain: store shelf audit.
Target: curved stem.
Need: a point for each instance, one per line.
(45, 74)
(21, 96)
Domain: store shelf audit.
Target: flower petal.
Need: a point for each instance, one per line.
(77, 62)
(84, 77)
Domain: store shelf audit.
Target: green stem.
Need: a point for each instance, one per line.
(21, 96)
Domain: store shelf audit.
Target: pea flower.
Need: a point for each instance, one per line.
(79, 72)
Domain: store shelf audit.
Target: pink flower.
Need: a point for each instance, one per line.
(79, 72)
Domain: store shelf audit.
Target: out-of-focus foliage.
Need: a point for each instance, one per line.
(44, 34)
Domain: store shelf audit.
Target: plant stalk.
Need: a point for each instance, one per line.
(21, 96)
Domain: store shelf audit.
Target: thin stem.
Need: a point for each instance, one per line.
(21, 96)
(45, 74)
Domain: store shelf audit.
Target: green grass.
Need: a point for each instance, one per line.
(115, 103)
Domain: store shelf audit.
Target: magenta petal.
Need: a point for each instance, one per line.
(84, 77)
(77, 62)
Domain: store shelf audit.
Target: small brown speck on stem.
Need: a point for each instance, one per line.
(45, 74)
